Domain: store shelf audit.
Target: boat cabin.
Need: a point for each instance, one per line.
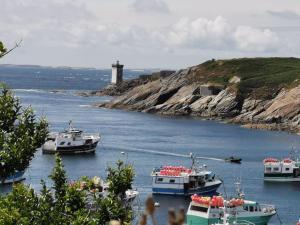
(281, 168)
(183, 181)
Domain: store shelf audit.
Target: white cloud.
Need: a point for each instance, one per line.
(256, 40)
(101, 27)
(199, 33)
(150, 6)
(70, 24)
(218, 34)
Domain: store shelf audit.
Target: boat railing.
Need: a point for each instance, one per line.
(91, 135)
(267, 208)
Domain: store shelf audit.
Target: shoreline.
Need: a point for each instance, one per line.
(246, 125)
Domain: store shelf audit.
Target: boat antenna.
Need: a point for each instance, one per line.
(70, 124)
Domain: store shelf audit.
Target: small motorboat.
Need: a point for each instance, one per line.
(71, 141)
(14, 178)
(233, 160)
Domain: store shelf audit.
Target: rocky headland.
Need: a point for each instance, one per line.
(261, 93)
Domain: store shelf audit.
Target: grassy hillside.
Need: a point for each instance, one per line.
(260, 77)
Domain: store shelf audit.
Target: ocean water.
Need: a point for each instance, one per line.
(150, 140)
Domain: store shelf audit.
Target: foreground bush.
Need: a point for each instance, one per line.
(20, 134)
(69, 203)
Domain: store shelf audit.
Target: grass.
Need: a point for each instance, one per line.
(260, 77)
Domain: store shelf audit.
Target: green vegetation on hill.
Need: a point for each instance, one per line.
(260, 77)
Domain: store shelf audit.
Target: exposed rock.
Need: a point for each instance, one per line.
(235, 80)
(177, 94)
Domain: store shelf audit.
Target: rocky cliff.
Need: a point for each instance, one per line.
(258, 93)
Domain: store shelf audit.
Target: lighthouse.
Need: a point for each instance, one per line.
(117, 73)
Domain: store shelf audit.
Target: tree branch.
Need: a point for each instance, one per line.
(10, 50)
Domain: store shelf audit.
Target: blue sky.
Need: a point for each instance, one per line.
(147, 33)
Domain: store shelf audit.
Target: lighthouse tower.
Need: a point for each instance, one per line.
(117, 73)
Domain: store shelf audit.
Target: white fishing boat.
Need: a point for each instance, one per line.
(179, 180)
(15, 178)
(285, 170)
(71, 141)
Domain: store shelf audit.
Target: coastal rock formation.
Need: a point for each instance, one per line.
(181, 94)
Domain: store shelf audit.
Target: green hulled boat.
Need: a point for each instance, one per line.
(237, 210)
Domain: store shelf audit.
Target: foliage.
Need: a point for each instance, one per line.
(20, 134)
(65, 202)
(260, 77)
(3, 50)
(120, 178)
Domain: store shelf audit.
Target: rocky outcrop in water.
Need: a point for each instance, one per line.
(179, 94)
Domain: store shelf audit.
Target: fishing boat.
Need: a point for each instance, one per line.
(208, 211)
(285, 170)
(233, 160)
(179, 180)
(226, 220)
(71, 141)
(15, 178)
(97, 187)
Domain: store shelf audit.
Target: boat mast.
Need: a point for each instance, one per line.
(293, 154)
(238, 188)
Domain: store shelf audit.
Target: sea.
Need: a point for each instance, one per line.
(149, 141)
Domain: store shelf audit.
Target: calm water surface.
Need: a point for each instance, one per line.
(150, 141)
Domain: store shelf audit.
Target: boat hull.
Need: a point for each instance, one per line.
(207, 190)
(257, 220)
(17, 177)
(81, 149)
(281, 178)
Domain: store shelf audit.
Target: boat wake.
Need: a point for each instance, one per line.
(148, 151)
(28, 90)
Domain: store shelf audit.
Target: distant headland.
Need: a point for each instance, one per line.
(261, 93)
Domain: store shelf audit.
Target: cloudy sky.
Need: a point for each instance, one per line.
(147, 33)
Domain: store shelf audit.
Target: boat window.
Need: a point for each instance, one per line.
(62, 143)
(287, 169)
(69, 143)
(246, 207)
(160, 179)
(276, 169)
(268, 169)
(199, 208)
(172, 181)
(251, 208)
